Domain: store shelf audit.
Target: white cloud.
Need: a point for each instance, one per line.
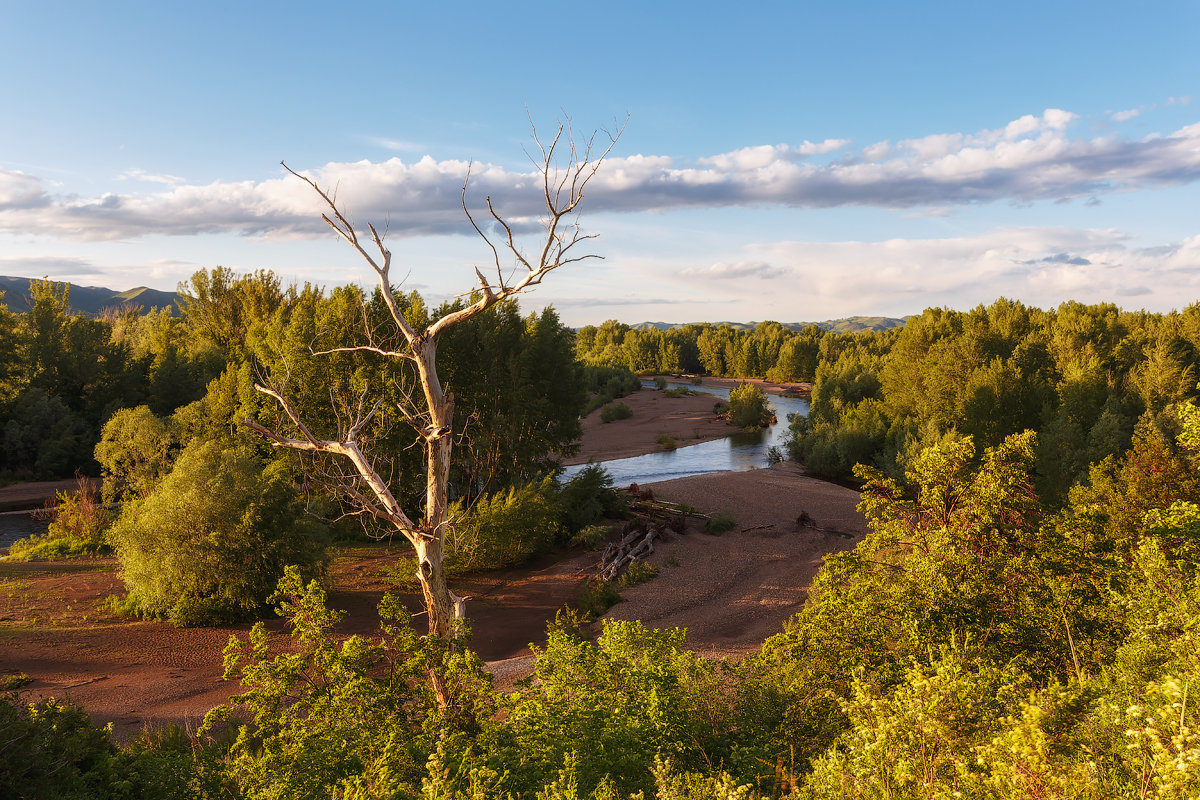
(1031, 158)
(1125, 116)
(21, 191)
(142, 175)
(736, 271)
(398, 145)
(1040, 266)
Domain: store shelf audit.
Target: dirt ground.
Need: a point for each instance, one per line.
(729, 591)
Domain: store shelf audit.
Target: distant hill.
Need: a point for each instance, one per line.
(843, 325)
(87, 299)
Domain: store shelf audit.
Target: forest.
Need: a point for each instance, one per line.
(1023, 620)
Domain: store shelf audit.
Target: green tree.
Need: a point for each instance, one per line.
(134, 453)
(748, 406)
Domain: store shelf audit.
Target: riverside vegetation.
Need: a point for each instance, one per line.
(1023, 620)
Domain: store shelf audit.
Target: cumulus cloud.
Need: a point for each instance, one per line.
(1034, 157)
(1125, 116)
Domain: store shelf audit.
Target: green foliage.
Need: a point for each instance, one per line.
(51, 749)
(719, 523)
(211, 541)
(349, 717)
(503, 529)
(596, 597)
(14, 681)
(77, 528)
(134, 453)
(590, 537)
(606, 384)
(587, 498)
(615, 411)
(637, 572)
(748, 406)
(616, 704)
(666, 441)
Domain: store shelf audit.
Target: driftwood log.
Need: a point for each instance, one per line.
(636, 544)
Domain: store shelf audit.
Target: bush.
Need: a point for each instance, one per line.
(211, 541)
(607, 384)
(615, 411)
(748, 406)
(718, 524)
(637, 572)
(660, 383)
(590, 537)
(134, 453)
(77, 524)
(505, 528)
(598, 596)
(666, 441)
(52, 749)
(588, 498)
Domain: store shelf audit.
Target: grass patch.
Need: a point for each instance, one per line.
(637, 572)
(680, 392)
(667, 441)
(718, 524)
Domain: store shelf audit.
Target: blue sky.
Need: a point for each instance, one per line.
(787, 161)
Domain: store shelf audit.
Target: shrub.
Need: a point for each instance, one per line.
(77, 524)
(134, 453)
(505, 528)
(718, 524)
(666, 441)
(52, 748)
(615, 411)
(598, 596)
(590, 537)
(211, 541)
(607, 384)
(637, 572)
(748, 406)
(660, 383)
(588, 498)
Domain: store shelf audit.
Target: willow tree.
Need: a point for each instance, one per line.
(565, 168)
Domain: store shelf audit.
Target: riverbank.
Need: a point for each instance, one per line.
(686, 420)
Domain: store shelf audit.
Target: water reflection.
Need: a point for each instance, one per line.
(737, 453)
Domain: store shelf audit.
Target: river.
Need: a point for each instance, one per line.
(737, 453)
(17, 525)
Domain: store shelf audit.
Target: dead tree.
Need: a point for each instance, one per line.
(566, 167)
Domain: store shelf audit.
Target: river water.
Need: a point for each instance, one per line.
(736, 453)
(17, 525)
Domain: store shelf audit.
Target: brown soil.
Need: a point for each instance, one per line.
(730, 591)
